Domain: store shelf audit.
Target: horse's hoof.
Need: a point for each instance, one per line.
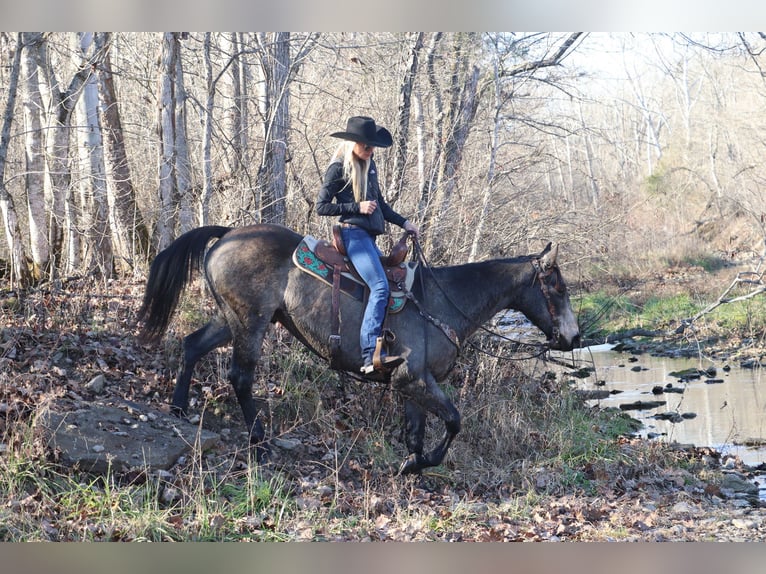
(413, 464)
(262, 452)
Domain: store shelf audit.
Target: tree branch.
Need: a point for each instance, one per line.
(754, 279)
(545, 62)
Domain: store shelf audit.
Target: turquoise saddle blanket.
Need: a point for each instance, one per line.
(306, 259)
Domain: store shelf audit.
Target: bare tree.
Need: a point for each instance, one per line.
(232, 100)
(274, 56)
(19, 271)
(427, 170)
(183, 169)
(467, 85)
(35, 156)
(404, 113)
(167, 217)
(90, 244)
(203, 209)
(130, 236)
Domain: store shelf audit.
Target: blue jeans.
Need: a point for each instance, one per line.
(365, 256)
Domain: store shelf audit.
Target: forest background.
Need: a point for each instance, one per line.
(632, 150)
(639, 153)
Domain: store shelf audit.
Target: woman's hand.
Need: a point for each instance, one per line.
(367, 207)
(412, 229)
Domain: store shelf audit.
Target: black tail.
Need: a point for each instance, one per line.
(170, 272)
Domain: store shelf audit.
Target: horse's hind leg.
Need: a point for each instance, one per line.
(427, 395)
(195, 346)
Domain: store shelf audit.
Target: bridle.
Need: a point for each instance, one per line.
(541, 275)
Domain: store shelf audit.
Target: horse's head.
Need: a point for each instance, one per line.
(554, 315)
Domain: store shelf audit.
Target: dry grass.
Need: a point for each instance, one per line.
(525, 439)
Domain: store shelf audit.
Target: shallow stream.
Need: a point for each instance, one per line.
(725, 408)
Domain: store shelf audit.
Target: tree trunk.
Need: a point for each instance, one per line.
(437, 139)
(244, 96)
(60, 106)
(486, 196)
(35, 160)
(166, 222)
(203, 209)
(19, 271)
(181, 145)
(403, 131)
(464, 85)
(275, 63)
(231, 101)
(595, 192)
(129, 234)
(92, 219)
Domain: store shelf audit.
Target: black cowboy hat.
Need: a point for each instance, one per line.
(363, 130)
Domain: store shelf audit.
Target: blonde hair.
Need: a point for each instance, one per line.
(354, 169)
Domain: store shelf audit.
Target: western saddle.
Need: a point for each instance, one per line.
(335, 254)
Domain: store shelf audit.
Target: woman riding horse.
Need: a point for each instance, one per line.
(352, 181)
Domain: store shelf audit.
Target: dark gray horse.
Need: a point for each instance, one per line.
(251, 274)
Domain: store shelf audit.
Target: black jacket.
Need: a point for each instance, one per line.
(336, 187)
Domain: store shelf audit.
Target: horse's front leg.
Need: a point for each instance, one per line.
(414, 433)
(195, 346)
(247, 350)
(425, 395)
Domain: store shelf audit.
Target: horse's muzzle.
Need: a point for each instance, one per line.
(562, 343)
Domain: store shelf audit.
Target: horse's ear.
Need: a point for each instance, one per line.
(550, 253)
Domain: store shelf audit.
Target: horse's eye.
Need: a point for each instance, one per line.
(554, 281)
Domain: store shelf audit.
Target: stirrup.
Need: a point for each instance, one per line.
(384, 364)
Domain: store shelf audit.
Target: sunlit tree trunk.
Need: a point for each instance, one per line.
(174, 166)
(166, 221)
(244, 95)
(486, 196)
(129, 234)
(460, 113)
(232, 102)
(428, 180)
(19, 271)
(93, 214)
(203, 209)
(35, 159)
(275, 63)
(403, 120)
(181, 145)
(421, 149)
(60, 102)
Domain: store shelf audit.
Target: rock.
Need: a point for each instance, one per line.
(641, 405)
(102, 438)
(97, 384)
(685, 508)
(672, 417)
(738, 484)
(285, 443)
(744, 524)
(592, 395)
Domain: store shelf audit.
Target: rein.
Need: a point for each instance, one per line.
(446, 329)
(541, 276)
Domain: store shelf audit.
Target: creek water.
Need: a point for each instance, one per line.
(724, 409)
